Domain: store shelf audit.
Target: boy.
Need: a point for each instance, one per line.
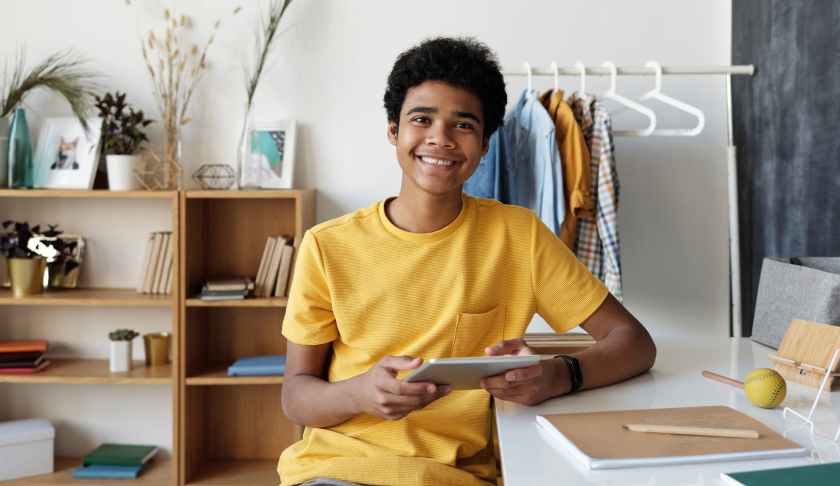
(434, 273)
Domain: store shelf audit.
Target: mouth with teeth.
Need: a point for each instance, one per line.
(436, 162)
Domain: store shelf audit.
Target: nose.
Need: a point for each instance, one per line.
(438, 135)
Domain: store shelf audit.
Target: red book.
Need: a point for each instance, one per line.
(8, 357)
(25, 371)
(23, 346)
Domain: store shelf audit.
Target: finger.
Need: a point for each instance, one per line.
(409, 402)
(498, 382)
(524, 374)
(511, 346)
(398, 363)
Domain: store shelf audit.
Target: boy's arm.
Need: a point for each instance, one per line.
(623, 349)
(309, 399)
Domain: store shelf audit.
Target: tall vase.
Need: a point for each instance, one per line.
(4, 152)
(248, 168)
(171, 162)
(21, 170)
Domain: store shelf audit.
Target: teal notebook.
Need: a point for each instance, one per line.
(813, 475)
(120, 455)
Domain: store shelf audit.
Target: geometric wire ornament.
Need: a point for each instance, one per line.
(215, 176)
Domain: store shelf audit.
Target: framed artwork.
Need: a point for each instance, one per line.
(66, 156)
(271, 158)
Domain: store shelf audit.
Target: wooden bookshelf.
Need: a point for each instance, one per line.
(84, 371)
(232, 428)
(157, 473)
(94, 372)
(96, 297)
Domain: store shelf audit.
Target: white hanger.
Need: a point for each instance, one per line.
(556, 70)
(530, 76)
(644, 110)
(580, 65)
(656, 93)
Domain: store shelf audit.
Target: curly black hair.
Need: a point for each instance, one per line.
(463, 62)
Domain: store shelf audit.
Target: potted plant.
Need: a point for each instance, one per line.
(122, 137)
(120, 357)
(26, 258)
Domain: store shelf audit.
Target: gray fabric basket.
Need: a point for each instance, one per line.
(795, 288)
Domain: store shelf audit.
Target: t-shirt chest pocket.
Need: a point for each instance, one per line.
(474, 332)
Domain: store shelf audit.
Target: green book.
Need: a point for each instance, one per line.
(813, 475)
(120, 455)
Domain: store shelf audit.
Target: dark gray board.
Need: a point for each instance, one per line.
(787, 129)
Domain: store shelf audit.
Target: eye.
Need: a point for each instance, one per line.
(465, 126)
(420, 119)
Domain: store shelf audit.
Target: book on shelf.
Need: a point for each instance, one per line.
(812, 474)
(20, 346)
(8, 357)
(25, 371)
(147, 257)
(269, 365)
(223, 295)
(273, 266)
(261, 271)
(284, 270)
(107, 472)
(24, 363)
(165, 261)
(110, 454)
(229, 284)
(153, 258)
(158, 263)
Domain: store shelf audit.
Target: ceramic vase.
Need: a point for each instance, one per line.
(121, 172)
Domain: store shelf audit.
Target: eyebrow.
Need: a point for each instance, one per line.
(429, 109)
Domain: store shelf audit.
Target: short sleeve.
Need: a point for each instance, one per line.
(566, 292)
(309, 316)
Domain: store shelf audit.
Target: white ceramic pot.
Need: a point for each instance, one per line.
(121, 172)
(120, 356)
(4, 152)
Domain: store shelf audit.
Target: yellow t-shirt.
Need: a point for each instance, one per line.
(373, 290)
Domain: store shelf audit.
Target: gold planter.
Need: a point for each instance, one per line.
(157, 346)
(26, 276)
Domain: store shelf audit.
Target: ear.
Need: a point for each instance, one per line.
(393, 131)
(75, 141)
(61, 141)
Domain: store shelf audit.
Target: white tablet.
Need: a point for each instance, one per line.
(466, 373)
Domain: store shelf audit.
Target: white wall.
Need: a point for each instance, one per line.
(329, 74)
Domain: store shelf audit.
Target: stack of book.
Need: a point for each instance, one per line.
(275, 267)
(227, 289)
(271, 365)
(23, 357)
(115, 461)
(158, 267)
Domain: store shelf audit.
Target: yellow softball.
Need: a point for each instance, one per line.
(765, 388)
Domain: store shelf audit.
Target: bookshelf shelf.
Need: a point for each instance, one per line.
(85, 194)
(97, 297)
(244, 472)
(157, 473)
(259, 194)
(94, 372)
(219, 376)
(255, 302)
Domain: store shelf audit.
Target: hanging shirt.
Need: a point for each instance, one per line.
(574, 155)
(523, 164)
(597, 244)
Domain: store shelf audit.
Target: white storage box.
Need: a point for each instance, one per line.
(26, 448)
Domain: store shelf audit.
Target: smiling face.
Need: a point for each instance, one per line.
(440, 138)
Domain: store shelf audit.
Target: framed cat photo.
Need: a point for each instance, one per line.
(271, 155)
(66, 156)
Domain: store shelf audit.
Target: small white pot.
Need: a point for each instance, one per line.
(121, 172)
(120, 356)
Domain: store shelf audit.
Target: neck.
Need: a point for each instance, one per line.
(420, 212)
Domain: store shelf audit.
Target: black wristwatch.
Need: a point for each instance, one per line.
(575, 374)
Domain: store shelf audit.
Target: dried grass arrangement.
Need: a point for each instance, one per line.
(175, 66)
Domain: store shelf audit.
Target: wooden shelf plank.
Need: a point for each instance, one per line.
(248, 194)
(249, 302)
(244, 472)
(85, 194)
(157, 473)
(102, 297)
(218, 376)
(93, 372)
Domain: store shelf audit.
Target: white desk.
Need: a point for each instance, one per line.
(528, 458)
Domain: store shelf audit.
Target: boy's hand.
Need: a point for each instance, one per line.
(528, 386)
(378, 391)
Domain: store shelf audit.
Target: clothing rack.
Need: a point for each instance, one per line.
(727, 72)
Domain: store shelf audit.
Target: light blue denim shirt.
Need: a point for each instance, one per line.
(523, 165)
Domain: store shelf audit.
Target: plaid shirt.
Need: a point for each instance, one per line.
(597, 243)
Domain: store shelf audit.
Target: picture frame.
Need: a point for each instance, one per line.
(271, 157)
(67, 157)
